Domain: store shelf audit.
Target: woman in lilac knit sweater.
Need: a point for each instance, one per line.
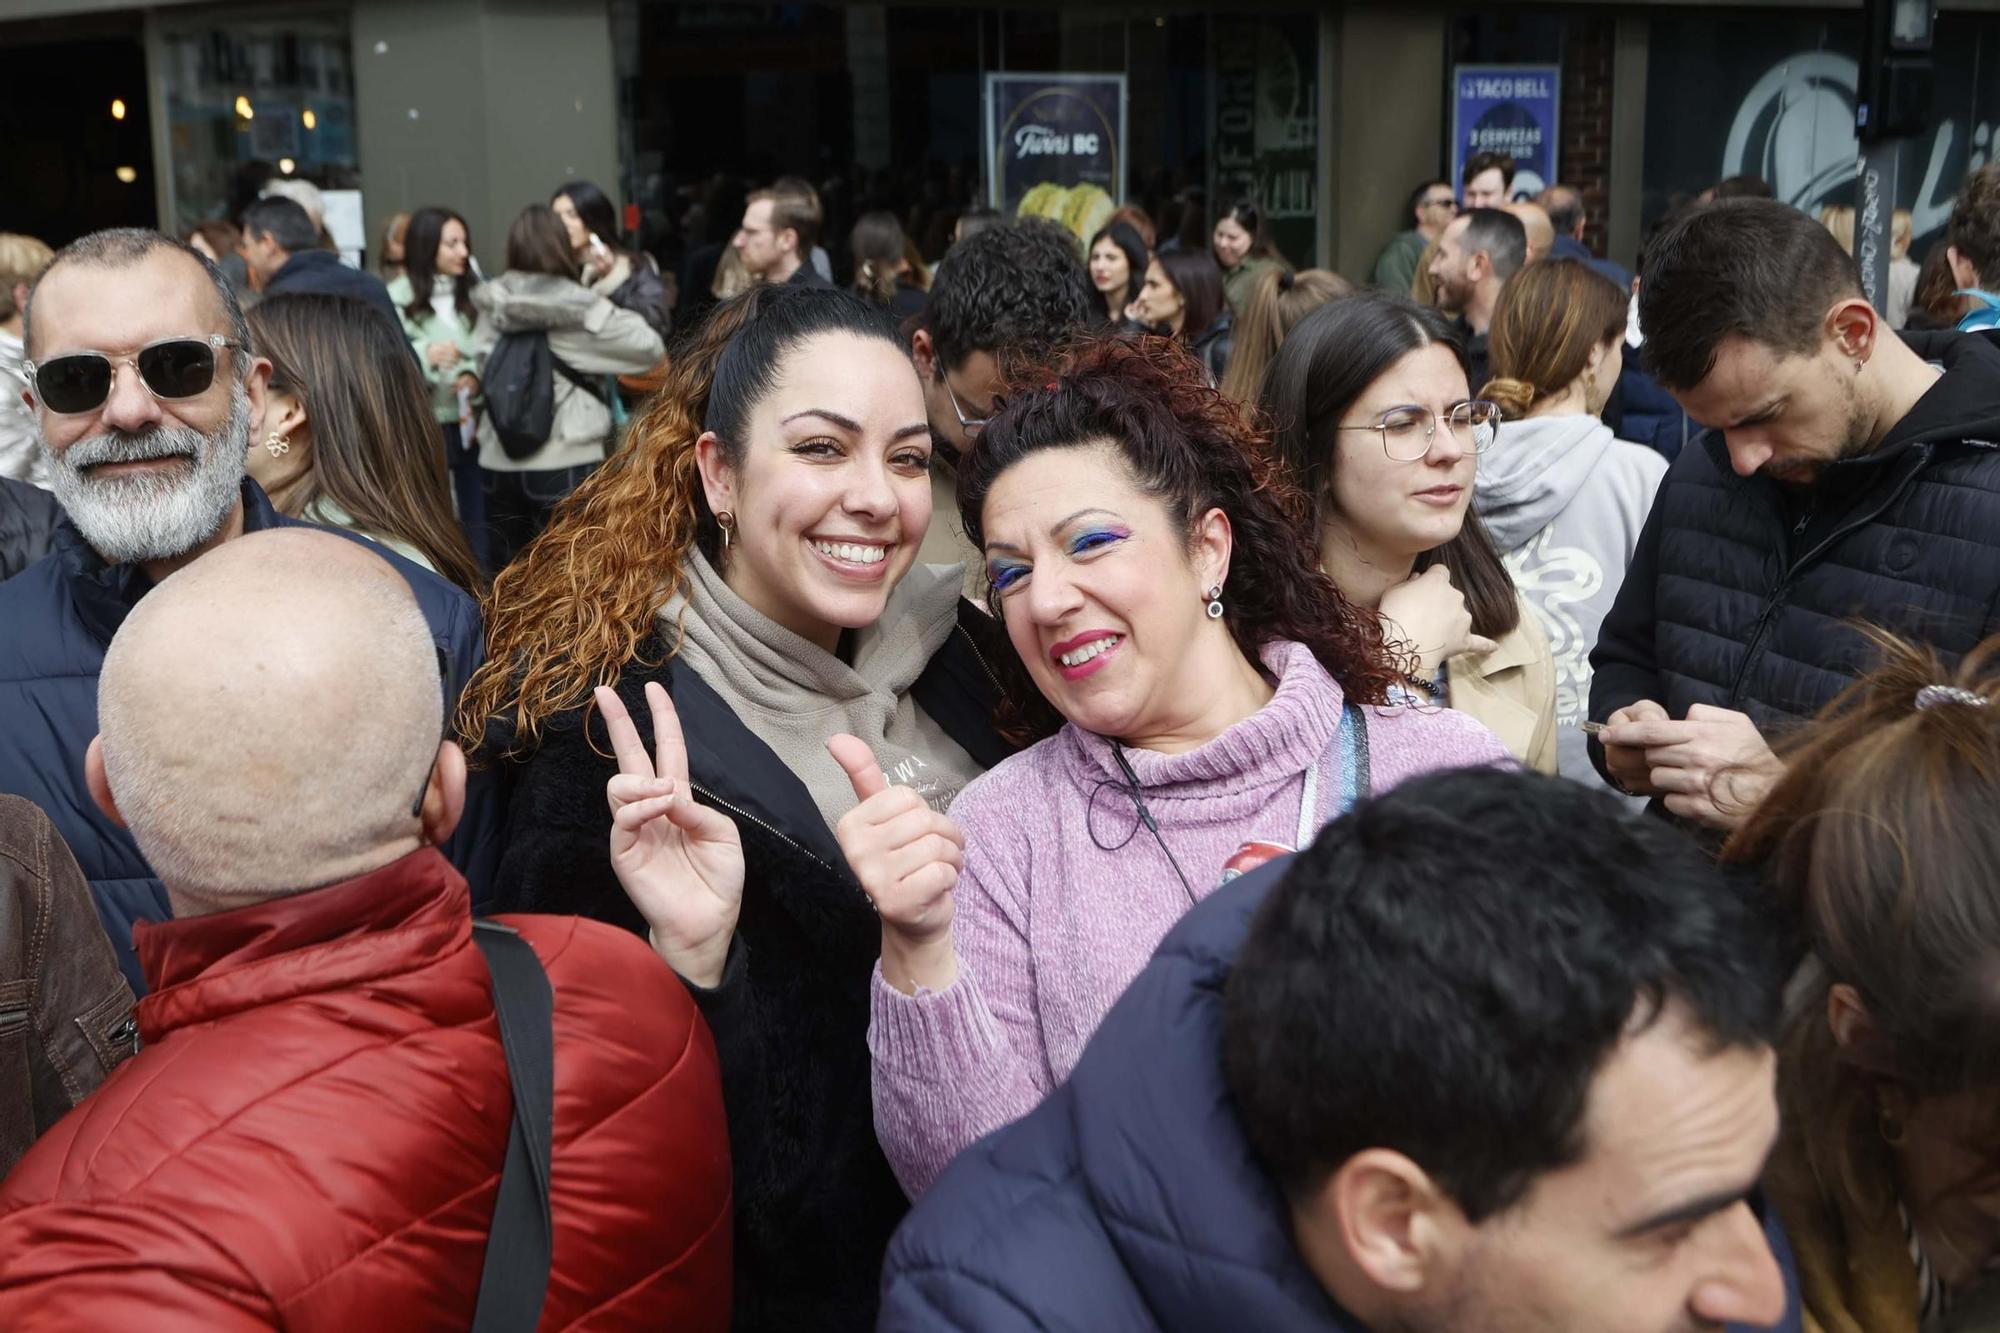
(1155, 584)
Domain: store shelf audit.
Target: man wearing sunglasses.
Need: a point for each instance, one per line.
(1002, 299)
(144, 387)
(1432, 207)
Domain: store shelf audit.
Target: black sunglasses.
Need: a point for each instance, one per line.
(170, 368)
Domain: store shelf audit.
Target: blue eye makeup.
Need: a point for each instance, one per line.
(1096, 539)
(1005, 573)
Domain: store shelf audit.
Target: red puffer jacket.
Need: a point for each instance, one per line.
(311, 1135)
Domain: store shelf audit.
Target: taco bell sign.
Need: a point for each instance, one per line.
(1509, 109)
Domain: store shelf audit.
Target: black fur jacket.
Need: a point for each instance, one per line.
(815, 1200)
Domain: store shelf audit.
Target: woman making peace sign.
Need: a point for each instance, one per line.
(1213, 696)
(744, 569)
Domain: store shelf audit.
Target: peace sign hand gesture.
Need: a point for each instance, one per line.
(680, 862)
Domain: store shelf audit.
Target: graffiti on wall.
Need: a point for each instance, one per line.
(1795, 128)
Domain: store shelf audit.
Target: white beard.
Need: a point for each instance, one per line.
(161, 515)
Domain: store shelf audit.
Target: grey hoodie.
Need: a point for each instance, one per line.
(1565, 502)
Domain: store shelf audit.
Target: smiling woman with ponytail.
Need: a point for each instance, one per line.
(741, 576)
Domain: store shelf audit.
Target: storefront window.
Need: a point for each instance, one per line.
(1777, 101)
(882, 106)
(249, 99)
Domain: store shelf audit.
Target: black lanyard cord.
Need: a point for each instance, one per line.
(1146, 816)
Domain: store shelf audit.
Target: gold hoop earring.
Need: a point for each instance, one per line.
(726, 520)
(277, 445)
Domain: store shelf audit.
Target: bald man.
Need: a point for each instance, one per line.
(313, 1131)
(1564, 205)
(1535, 222)
(144, 387)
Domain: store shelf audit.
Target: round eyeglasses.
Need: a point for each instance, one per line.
(1407, 432)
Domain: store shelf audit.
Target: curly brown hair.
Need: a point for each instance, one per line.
(1190, 447)
(581, 602)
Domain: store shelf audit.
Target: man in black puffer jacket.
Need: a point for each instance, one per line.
(1854, 476)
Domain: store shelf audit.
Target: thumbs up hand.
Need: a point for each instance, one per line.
(907, 857)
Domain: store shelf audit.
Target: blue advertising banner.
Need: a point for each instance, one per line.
(1509, 109)
(1055, 147)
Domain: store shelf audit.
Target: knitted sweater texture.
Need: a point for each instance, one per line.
(1065, 895)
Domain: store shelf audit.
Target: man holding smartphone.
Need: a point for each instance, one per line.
(1853, 478)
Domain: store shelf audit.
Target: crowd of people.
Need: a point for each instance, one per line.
(1097, 783)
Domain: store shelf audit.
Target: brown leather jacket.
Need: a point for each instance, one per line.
(65, 1010)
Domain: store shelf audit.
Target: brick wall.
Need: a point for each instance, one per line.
(1585, 159)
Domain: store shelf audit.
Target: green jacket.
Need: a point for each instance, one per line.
(1396, 269)
(1239, 282)
(431, 327)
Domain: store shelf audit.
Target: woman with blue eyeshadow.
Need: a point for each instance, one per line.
(1197, 697)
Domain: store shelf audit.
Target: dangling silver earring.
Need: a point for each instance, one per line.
(277, 445)
(725, 520)
(1215, 602)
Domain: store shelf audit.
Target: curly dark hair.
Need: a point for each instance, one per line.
(1017, 293)
(1191, 448)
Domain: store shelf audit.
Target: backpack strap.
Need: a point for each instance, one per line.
(592, 386)
(515, 1280)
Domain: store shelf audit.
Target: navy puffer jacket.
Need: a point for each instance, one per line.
(29, 517)
(56, 621)
(1742, 596)
(1130, 1199)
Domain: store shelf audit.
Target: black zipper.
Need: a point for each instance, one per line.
(793, 843)
(741, 813)
(980, 657)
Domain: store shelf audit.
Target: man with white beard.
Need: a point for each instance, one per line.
(144, 384)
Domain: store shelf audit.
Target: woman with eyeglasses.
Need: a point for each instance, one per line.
(1562, 498)
(1879, 841)
(1375, 422)
(742, 573)
(1203, 698)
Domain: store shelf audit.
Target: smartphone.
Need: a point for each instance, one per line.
(598, 247)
